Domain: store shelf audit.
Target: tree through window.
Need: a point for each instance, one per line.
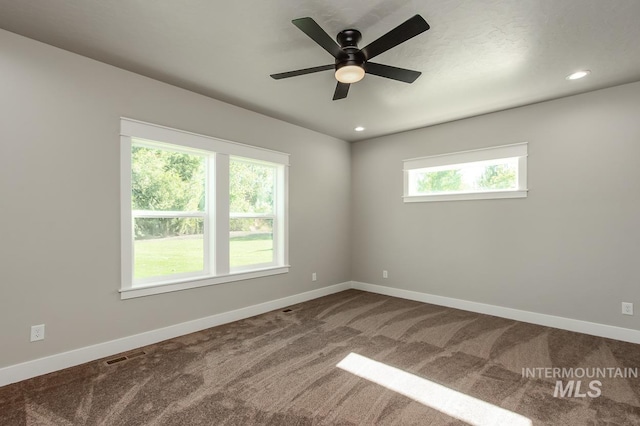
(498, 172)
(198, 210)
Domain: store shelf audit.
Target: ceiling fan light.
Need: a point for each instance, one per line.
(349, 74)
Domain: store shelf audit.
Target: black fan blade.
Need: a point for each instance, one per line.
(403, 32)
(317, 34)
(302, 72)
(342, 89)
(400, 74)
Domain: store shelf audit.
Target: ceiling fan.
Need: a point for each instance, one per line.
(351, 63)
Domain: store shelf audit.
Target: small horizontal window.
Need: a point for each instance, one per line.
(497, 172)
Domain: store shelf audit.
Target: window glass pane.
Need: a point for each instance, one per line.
(167, 246)
(250, 241)
(501, 175)
(167, 180)
(428, 181)
(251, 187)
(492, 175)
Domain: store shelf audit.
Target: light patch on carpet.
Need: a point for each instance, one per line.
(448, 401)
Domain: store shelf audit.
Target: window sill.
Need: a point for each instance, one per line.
(157, 288)
(465, 196)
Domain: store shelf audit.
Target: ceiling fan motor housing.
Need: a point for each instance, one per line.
(348, 40)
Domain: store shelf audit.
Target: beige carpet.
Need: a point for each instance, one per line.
(411, 363)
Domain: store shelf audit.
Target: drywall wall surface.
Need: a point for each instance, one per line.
(60, 202)
(570, 249)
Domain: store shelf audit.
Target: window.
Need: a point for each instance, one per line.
(198, 210)
(497, 172)
(252, 190)
(168, 212)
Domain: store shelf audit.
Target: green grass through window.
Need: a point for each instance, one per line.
(166, 256)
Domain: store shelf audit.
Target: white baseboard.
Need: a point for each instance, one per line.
(594, 329)
(37, 367)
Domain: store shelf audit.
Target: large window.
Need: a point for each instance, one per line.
(198, 210)
(497, 172)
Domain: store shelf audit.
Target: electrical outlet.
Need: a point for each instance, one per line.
(385, 274)
(627, 308)
(37, 332)
(314, 277)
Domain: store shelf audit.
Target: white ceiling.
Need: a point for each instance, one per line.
(479, 55)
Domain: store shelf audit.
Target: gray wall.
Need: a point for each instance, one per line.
(60, 202)
(572, 248)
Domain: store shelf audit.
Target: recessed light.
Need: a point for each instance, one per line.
(359, 129)
(578, 74)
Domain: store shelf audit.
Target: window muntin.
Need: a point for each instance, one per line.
(498, 172)
(178, 210)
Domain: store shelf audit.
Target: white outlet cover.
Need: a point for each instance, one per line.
(627, 308)
(37, 332)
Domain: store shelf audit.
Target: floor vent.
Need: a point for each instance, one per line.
(124, 358)
(287, 310)
(113, 361)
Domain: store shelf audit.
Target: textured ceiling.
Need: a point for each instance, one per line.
(479, 55)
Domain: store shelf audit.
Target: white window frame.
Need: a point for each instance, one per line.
(518, 150)
(216, 213)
